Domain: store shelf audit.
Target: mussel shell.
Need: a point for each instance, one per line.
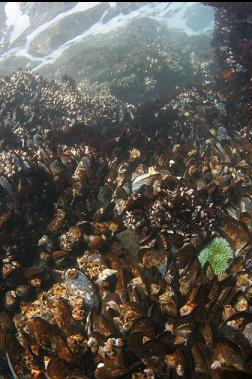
(57, 167)
(14, 355)
(228, 354)
(144, 326)
(34, 271)
(42, 331)
(107, 327)
(58, 369)
(225, 373)
(13, 276)
(61, 259)
(6, 325)
(202, 357)
(64, 352)
(110, 372)
(23, 291)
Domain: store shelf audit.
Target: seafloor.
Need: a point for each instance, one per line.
(125, 231)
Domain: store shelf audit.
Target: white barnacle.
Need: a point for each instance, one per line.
(79, 285)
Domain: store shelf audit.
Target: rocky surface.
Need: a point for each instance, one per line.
(140, 50)
(107, 208)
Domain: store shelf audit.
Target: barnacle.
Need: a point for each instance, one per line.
(219, 254)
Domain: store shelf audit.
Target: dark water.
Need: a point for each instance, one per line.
(125, 190)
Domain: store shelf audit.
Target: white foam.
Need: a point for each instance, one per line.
(79, 7)
(14, 17)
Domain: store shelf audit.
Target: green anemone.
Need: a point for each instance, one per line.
(218, 253)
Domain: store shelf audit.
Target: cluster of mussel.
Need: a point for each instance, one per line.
(100, 276)
(32, 106)
(101, 230)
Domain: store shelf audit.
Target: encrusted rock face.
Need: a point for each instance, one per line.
(101, 230)
(129, 46)
(32, 106)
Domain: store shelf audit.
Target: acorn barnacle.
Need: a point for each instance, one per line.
(72, 274)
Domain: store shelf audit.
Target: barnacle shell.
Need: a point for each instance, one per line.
(79, 285)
